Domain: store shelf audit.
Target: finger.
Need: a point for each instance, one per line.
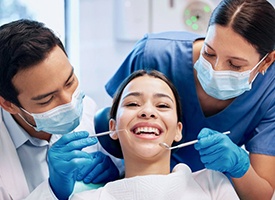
(101, 163)
(67, 157)
(205, 132)
(80, 144)
(96, 158)
(70, 168)
(101, 173)
(67, 138)
(211, 140)
(73, 145)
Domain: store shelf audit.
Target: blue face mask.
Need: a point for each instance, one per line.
(223, 84)
(61, 119)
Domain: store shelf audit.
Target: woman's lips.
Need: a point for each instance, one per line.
(147, 130)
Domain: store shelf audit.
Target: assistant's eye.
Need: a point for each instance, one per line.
(235, 67)
(205, 53)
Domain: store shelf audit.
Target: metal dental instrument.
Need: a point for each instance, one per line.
(107, 133)
(166, 146)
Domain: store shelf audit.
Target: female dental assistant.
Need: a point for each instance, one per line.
(225, 83)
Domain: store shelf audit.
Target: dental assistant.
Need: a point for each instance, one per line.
(227, 83)
(45, 118)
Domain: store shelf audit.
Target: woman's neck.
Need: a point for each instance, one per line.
(141, 167)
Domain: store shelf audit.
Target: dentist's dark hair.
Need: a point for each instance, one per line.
(23, 44)
(254, 20)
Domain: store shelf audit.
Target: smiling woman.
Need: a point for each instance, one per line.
(147, 106)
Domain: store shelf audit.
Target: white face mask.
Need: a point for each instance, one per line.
(61, 119)
(223, 84)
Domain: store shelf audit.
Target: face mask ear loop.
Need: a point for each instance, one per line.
(26, 121)
(259, 63)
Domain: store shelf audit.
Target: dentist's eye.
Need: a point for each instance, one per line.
(46, 102)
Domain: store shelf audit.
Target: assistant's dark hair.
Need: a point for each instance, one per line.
(254, 20)
(23, 43)
(139, 73)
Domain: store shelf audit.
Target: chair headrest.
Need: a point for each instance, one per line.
(101, 121)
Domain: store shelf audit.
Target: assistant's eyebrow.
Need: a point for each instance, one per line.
(42, 96)
(208, 46)
(232, 57)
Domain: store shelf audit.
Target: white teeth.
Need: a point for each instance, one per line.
(147, 130)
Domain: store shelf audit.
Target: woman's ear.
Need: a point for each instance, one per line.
(178, 135)
(8, 106)
(112, 127)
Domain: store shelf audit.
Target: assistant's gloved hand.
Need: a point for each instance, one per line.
(219, 153)
(67, 163)
(102, 169)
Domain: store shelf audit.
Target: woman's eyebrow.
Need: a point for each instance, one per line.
(163, 95)
(136, 94)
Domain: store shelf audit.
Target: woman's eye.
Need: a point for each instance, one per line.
(163, 106)
(132, 104)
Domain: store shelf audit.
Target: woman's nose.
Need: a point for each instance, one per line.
(147, 113)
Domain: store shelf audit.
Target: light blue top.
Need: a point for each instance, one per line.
(250, 117)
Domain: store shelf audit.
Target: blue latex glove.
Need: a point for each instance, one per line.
(219, 153)
(102, 169)
(67, 163)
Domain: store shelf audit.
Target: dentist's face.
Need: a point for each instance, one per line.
(147, 110)
(45, 85)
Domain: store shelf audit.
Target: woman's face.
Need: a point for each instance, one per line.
(147, 110)
(227, 50)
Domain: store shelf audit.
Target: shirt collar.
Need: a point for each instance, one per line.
(18, 135)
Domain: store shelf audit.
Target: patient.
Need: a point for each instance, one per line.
(148, 107)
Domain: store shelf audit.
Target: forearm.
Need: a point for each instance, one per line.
(253, 187)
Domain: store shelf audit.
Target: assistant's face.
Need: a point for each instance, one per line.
(46, 85)
(227, 50)
(147, 109)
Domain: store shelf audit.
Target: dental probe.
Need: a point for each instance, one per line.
(166, 146)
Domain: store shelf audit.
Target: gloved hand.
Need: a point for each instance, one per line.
(67, 163)
(219, 153)
(102, 169)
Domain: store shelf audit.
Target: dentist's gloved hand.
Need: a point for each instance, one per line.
(102, 169)
(219, 153)
(67, 163)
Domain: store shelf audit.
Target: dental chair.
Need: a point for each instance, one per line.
(101, 122)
